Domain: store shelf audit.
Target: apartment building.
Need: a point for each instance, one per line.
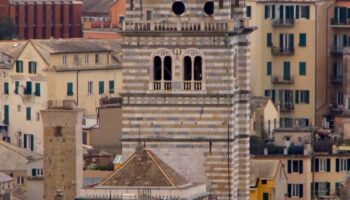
(48, 70)
(44, 18)
(289, 58)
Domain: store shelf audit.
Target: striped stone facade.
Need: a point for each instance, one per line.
(199, 127)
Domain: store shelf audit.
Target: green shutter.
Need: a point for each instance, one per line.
(269, 40)
(37, 89)
(30, 68)
(101, 87)
(111, 87)
(6, 88)
(28, 113)
(302, 68)
(16, 87)
(6, 114)
(33, 172)
(269, 68)
(28, 88)
(69, 89)
(302, 39)
(265, 196)
(19, 66)
(34, 65)
(249, 11)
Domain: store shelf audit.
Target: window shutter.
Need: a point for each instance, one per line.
(289, 190)
(296, 96)
(302, 39)
(317, 165)
(101, 87)
(28, 87)
(34, 63)
(269, 68)
(273, 8)
(300, 166)
(307, 12)
(307, 94)
(16, 87)
(29, 113)
(33, 172)
(30, 68)
(269, 39)
(289, 166)
(69, 89)
(301, 191)
(328, 164)
(302, 68)
(17, 66)
(337, 165)
(267, 9)
(6, 88)
(297, 8)
(291, 41)
(25, 141)
(37, 89)
(32, 142)
(249, 11)
(328, 186)
(111, 87)
(348, 164)
(273, 95)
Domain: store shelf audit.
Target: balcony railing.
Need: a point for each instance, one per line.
(282, 50)
(286, 106)
(282, 79)
(162, 26)
(336, 50)
(337, 79)
(283, 22)
(339, 23)
(177, 85)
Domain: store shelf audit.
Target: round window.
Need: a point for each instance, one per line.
(209, 7)
(178, 7)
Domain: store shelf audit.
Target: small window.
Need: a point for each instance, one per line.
(178, 7)
(157, 68)
(111, 86)
(32, 67)
(263, 182)
(20, 180)
(6, 88)
(302, 68)
(101, 87)
(28, 114)
(269, 39)
(76, 60)
(209, 8)
(268, 68)
(64, 60)
(121, 19)
(187, 68)
(37, 89)
(16, 87)
(197, 68)
(86, 59)
(249, 11)
(28, 89)
(302, 40)
(19, 66)
(70, 89)
(97, 59)
(167, 68)
(221, 4)
(90, 87)
(149, 15)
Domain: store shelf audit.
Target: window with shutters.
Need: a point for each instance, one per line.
(295, 166)
(69, 89)
(28, 141)
(28, 89)
(302, 97)
(6, 114)
(321, 165)
(16, 87)
(111, 86)
(32, 67)
(271, 94)
(302, 68)
(28, 113)
(101, 87)
(20, 180)
(265, 196)
(37, 90)
(295, 190)
(269, 40)
(305, 12)
(249, 11)
(320, 188)
(37, 172)
(19, 66)
(302, 39)
(269, 68)
(64, 60)
(6, 88)
(342, 165)
(267, 11)
(90, 88)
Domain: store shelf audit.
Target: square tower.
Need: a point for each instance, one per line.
(186, 84)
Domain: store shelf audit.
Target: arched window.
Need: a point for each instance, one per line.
(167, 68)
(187, 68)
(157, 68)
(197, 68)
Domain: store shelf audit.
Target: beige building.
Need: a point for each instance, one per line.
(289, 56)
(68, 69)
(6, 186)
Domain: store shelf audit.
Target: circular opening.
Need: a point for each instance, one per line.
(178, 7)
(209, 7)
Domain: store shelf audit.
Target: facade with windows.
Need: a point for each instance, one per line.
(289, 58)
(73, 69)
(186, 80)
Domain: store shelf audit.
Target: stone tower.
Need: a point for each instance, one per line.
(63, 156)
(186, 83)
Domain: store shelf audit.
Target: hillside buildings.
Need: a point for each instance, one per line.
(80, 70)
(44, 18)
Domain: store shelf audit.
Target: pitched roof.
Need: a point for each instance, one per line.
(145, 169)
(9, 51)
(29, 155)
(96, 7)
(4, 177)
(262, 169)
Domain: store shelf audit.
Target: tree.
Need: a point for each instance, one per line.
(8, 29)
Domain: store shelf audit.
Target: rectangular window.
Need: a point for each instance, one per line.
(16, 87)
(342, 165)
(249, 11)
(86, 59)
(28, 142)
(320, 188)
(19, 66)
(37, 89)
(6, 88)
(20, 180)
(295, 166)
(131, 4)
(85, 138)
(321, 165)
(221, 4)
(6, 114)
(269, 39)
(271, 94)
(295, 190)
(302, 39)
(101, 87)
(265, 196)
(111, 87)
(37, 172)
(286, 122)
(302, 68)
(32, 67)
(97, 59)
(302, 96)
(64, 60)
(76, 60)
(28, 114)
(28, 90)
(268, 68)
(305, 12)
(267, 11)
(90, 87)
(70, 89)
(149, 15)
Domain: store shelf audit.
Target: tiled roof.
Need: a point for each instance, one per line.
(29, 155)
(145, 169)
(262, 169)
(9, 51)
(96, 7)
(4, 177)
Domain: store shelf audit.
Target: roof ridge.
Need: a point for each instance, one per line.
(18, 150)
(167, 176)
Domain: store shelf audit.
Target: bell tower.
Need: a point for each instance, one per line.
(186, 89)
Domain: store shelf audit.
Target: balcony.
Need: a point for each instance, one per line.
(337, 51)
(337, 23)
(283, 22)
(337, 79)
(286, 106)
(282, 79)
(287, 51)
(161, 26)
(176, 85)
